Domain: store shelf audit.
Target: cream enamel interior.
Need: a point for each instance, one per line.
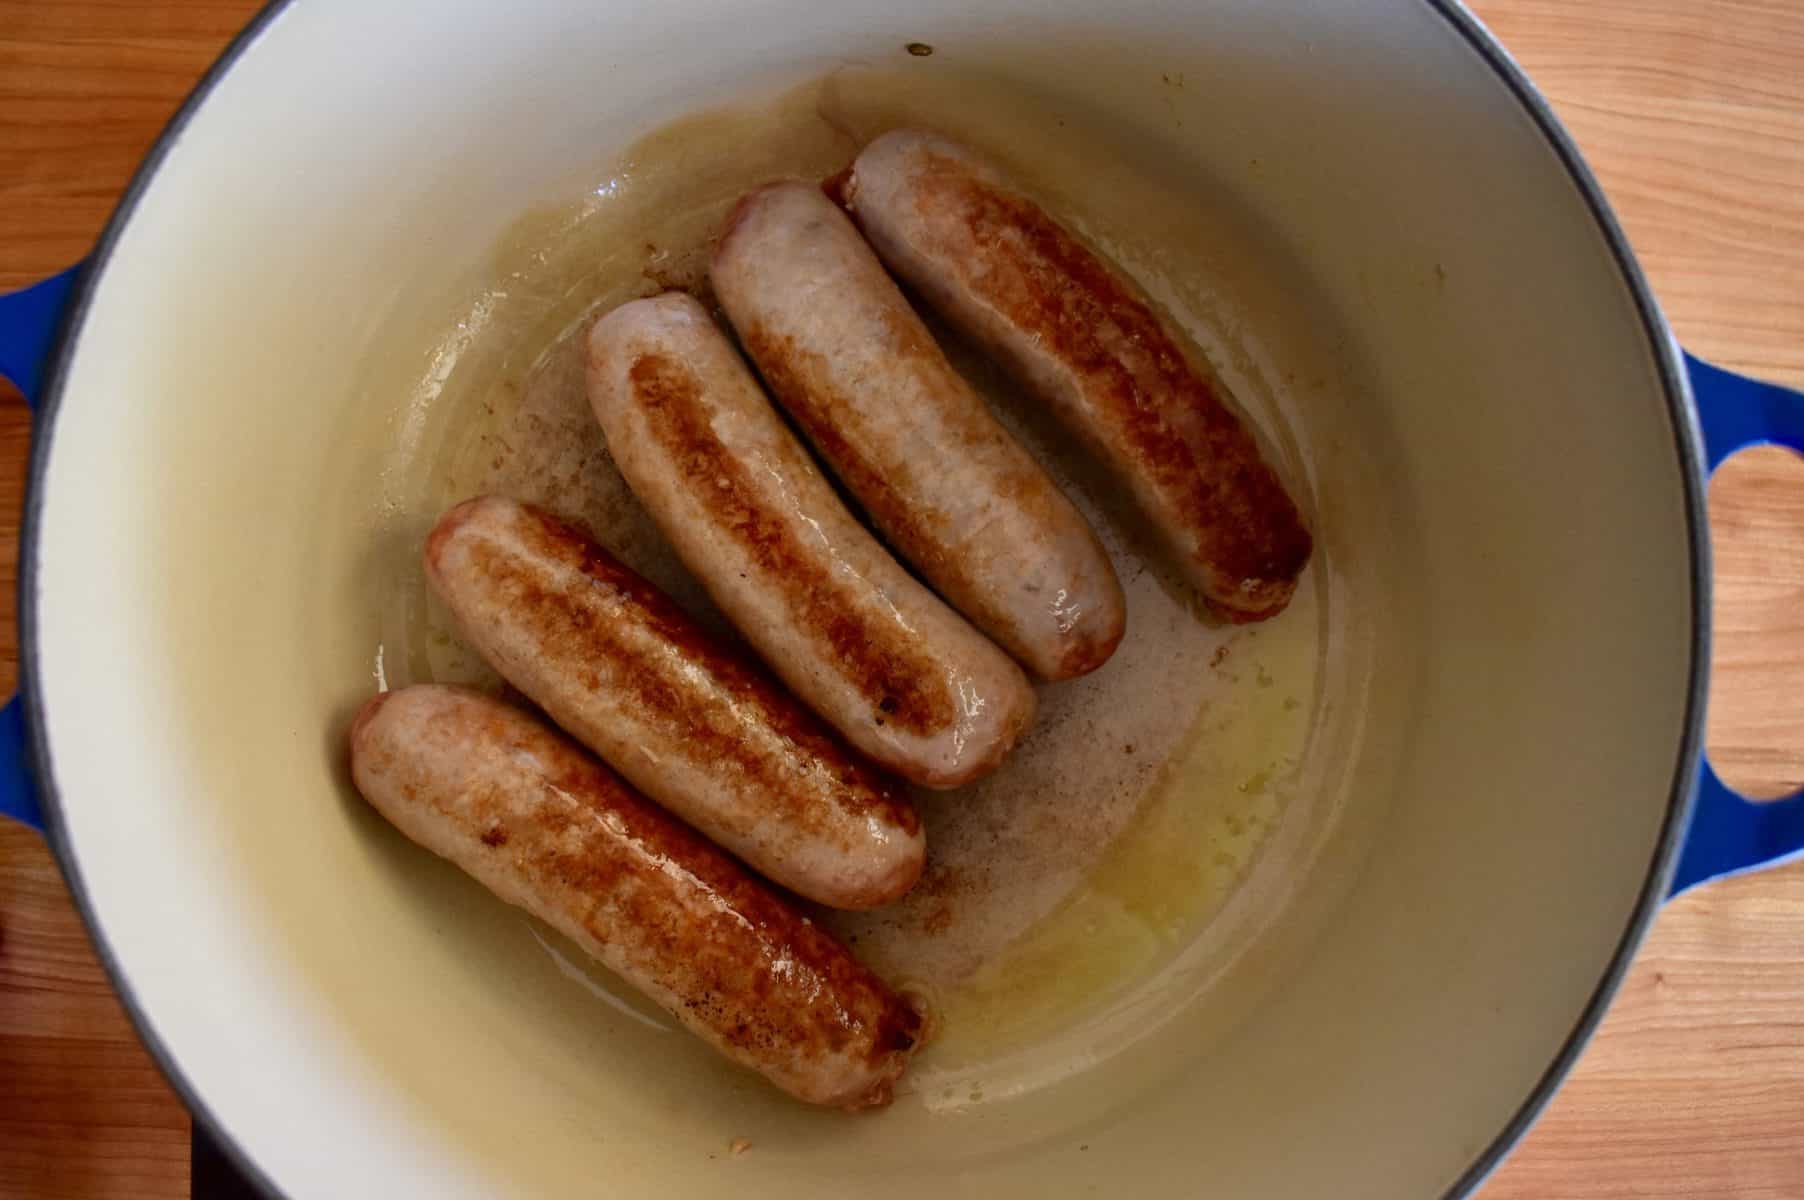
(211, 536)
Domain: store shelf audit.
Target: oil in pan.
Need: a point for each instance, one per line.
(1177, 819)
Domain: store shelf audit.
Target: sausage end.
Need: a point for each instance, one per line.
(438, 542)
(842, 187)
(359, 736)
(1084, 656)
(885, 882)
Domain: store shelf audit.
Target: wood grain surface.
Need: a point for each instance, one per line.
(1692, 114)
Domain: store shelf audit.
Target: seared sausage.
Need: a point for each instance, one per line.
(871, 650)
(953, 492)
(690, 722)
(1076, 332)
(547, 828)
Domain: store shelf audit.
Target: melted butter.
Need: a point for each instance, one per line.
(1167, 811)
(1169, 872)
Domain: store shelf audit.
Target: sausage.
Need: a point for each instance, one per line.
(871, 650)
(690, 722)
(547, 828)
(1079, 335)
(954, 493)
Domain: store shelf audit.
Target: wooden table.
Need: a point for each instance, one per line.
(1693, 114)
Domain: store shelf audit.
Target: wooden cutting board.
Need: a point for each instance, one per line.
(1693, 114)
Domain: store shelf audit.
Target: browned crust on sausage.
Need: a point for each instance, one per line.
(801, 382)
(585, 633)
(890, 490)
(731, 993)
(1181, 433)
(911, 692)
(737, 967)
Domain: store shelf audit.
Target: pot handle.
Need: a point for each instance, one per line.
(1730, 835)
(29, 321)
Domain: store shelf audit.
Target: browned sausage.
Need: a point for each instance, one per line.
(690, 722)
(1080, 335)
(547, 828)
(865, 645)
(953, 492)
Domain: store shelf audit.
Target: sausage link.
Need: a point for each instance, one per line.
(691, 723)
(871, 650)
(550, 830)
(1076, 332)
(953, 492)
